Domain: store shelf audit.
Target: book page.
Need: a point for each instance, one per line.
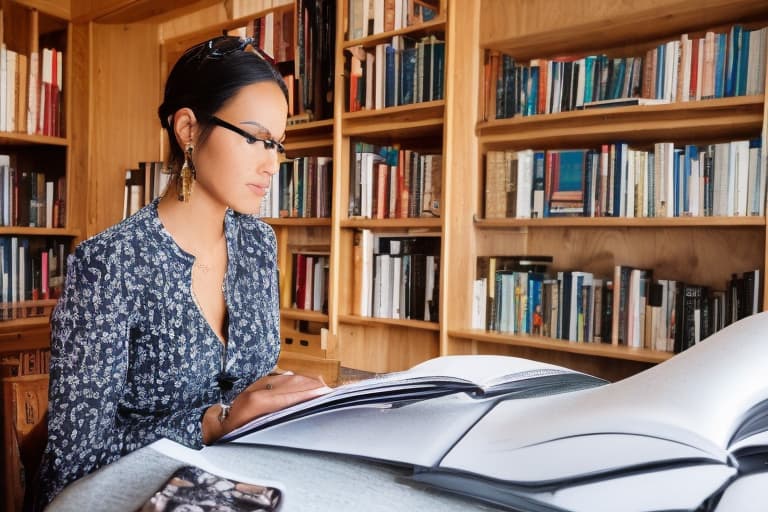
(696, 399)
(442, 375)
(417, 433)
(682, 488)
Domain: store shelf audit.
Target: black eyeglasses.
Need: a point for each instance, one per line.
(220, 46)
(249, 138)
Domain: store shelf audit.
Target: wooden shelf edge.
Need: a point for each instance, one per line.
(379, 322)
(29, 231)
(435, 25)
(721, 113)
(24, 138)
(622, 222)
(24, 323)
(589, 349)
(303, 314)
(295, 221)
(641, 25)
(407, 223)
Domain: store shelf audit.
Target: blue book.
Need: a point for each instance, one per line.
(619, 175)
(617, 80)
(742, 61)
(389, 80)
(539, 206)
(660, 52)
(589, 79)
(407, 75)
(691, 156)
(438, 70)
(720, 55)
(732, 57)
(535, 315)
(677, 172)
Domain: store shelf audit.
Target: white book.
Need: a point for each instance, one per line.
(524, 183)
(741, 176)
(5, 176)
(380, 78)
(396, 279)
(3, 87)
(14, 269)
(479, 302)
(10, 87)
(33, 93)
(49, 193)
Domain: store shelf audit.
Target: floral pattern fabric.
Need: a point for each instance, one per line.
(132, 357)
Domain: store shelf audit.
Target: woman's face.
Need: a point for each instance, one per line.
(232, 171)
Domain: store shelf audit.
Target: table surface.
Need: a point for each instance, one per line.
(311, 481)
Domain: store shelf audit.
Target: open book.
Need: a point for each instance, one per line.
(434, 402)
(668, 438)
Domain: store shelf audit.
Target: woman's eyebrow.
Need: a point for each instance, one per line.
(263, 129)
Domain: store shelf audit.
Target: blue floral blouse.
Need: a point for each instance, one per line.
(132, 357)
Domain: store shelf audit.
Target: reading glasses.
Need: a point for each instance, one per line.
(249, 138)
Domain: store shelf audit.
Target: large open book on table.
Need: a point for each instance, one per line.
(669, 438)
(414, 416)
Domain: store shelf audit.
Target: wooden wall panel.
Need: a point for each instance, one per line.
(125, 129)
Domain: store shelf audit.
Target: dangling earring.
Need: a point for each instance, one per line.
(186, 175)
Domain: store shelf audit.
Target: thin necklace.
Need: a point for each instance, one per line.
(206, 267)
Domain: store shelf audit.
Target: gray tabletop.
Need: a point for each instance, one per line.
(312, 481)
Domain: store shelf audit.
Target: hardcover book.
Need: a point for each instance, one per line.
(536, 437)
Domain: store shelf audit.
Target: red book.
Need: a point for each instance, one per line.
(300, 276)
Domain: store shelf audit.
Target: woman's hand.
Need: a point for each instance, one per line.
(268, 394)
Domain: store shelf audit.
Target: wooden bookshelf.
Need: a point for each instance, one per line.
(703, 249)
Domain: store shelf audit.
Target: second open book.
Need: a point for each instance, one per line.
(539, 437)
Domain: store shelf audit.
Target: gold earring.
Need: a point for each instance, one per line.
(187, 174)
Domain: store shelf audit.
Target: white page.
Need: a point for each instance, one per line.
(747, 494)
(696, 398)
(478, 369)
(419, 433)
(671, 489)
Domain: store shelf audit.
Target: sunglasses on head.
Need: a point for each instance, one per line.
(220, 46)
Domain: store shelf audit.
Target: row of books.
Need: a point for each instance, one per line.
(274, 34)
(715, 65)
(396, 276)
(31, 91)
(391, 182)
(29, 198)
(25, 362)
(301, 189)
(367, 18)
(31, 269)
(309, 290)
(143, 184)
(518, 295)
(723, 179)
(402, 72)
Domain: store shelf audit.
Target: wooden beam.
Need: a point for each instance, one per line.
(134, 11)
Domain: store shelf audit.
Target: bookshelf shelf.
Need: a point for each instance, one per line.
(374, 321)
(592, 349)
(415, 31)
(7, 138)
(315, 136)
(723, 118)
(622, 222)
(417, 119)
(303, 314)
(547, 36)
(294, 221)
(426, 223)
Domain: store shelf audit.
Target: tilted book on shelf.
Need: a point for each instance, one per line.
(537, 437)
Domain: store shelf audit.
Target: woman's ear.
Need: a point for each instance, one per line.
(185, 126)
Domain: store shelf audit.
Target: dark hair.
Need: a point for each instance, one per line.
(205, 85)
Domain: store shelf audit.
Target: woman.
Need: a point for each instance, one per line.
(169, 322)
